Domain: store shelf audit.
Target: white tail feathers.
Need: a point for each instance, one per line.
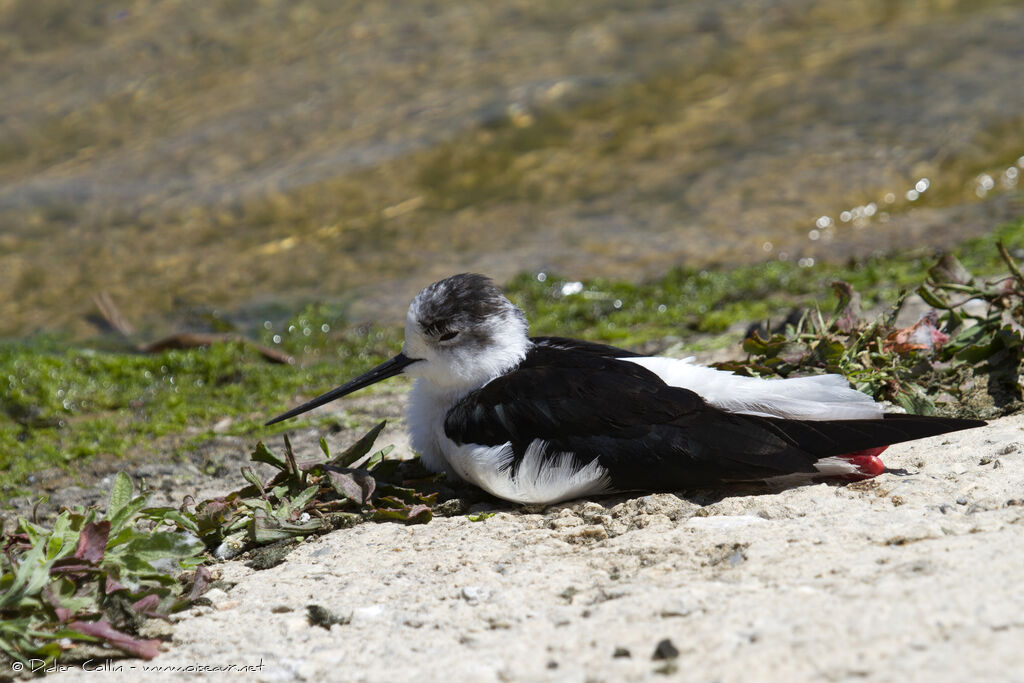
(821, 397)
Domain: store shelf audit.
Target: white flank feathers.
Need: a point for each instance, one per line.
(536, 480)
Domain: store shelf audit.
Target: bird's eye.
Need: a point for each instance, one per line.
(448, 336)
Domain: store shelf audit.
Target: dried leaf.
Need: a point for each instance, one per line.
(924, 335)
(949, 270)
(847, 315)
(1010, 324)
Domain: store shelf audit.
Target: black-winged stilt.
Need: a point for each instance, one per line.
(546, 419)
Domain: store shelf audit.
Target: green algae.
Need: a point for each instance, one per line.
(63, 404)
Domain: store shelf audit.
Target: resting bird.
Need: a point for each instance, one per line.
(547, 419)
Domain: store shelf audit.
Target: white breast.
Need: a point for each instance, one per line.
(425, 413)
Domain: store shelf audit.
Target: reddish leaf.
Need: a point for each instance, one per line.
(146, 649)
(921, 336)
(200, 582)
(62, 612)
(72, 565)
(92, 542)
(148, 606)
(113, 585)
(211, 514)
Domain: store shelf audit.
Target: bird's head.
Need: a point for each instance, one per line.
(460, 333)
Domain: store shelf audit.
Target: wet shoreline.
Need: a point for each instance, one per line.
(260, 160)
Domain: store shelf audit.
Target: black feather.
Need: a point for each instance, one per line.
(579, 399)
(579, 345)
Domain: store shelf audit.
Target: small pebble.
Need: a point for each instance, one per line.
(961, 500)
(621, 652)
(665, 650)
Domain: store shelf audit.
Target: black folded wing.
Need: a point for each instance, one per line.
(649, 435)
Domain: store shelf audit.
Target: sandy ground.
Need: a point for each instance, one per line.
(913, 576)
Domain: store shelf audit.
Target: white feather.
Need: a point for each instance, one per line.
(536, 480)
(827, 467)
(820, 397)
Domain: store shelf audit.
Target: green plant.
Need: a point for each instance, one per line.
(311, 497)
(96, 578)
(965, 356)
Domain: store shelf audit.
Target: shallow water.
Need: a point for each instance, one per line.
(241, 156)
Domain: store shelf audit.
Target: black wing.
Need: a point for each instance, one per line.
(652, 436)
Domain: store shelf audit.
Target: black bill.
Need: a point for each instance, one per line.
(388, 368)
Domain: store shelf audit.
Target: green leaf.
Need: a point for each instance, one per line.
(120, 494)
(359, 448)
(32, 574)
(913, 400)
(262, 454)
(303, 498)
(54, 544)
(161, 545)
(267, 529)
(932, 298)
(416, 514)
(128, 511)
(250, 476)
(377, 458)
(183, 521)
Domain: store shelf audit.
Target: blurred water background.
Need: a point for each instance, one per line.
(249, 156)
